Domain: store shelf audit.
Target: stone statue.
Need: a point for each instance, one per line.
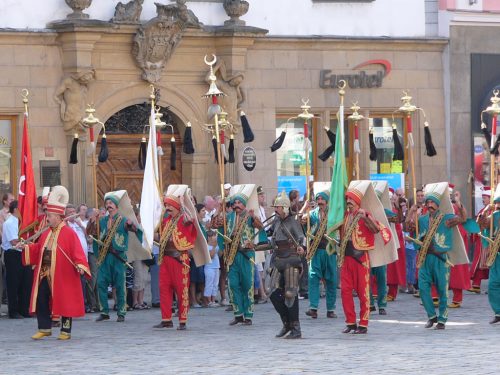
(71, 95)
(129, 12)
(231, 86)
(155, 41)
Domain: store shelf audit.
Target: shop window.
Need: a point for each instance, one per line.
(384, 167)
(7, 153)
(291, 157)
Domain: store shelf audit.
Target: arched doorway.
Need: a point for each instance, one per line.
(124, 131)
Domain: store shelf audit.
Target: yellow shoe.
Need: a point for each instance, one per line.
(41, 334)
(64, 336)
(454, 305)
(390, 298)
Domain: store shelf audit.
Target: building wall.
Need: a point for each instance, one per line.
(280, 72)
(464, 41)
(32, 61)
(390, 18)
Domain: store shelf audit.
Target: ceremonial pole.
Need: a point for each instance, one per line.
(494, 111)
(306, 116)
(408, 109)
(356, 117)
(213, 93)
(91, 121)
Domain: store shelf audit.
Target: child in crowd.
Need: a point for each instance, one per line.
(211, 271)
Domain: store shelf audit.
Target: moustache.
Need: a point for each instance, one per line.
(109, 208)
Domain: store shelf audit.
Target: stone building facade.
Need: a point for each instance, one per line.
(279, 71)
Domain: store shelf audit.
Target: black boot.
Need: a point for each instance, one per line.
(286, 327)
(284, 330)
(295, 333)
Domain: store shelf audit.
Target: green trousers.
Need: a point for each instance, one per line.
(434, 272)
(241, 280)
(380, 274)
(494, 286)
(111, 272)
(323, 266)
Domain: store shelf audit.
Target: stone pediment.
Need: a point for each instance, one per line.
(156, 40)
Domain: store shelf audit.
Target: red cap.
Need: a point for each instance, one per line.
(487, 191)
(355, 196)
(173, 201)
(451, 186)
(391, 190)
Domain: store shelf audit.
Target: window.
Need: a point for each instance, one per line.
(384, 167)
(7, 153)
(291, 157)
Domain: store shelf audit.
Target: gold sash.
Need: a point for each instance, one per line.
(107, 242)
(165, 236)
(345, 239)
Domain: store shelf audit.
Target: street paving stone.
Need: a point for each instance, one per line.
(396, 343)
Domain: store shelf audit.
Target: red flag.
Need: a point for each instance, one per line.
(27, 192)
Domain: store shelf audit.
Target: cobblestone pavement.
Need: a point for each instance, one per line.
(395, 344)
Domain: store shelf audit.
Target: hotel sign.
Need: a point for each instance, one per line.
(358, 79)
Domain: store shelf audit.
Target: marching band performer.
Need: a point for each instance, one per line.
(323, 260)
(59, 260)
(287, 240)
(493, 260)
(239, 253)
(364, 238)
(479, 269)
(111, 249)
(180, 233)
(439, 242)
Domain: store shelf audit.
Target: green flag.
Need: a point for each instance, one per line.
(336, 207)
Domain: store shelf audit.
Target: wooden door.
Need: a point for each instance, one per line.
(121, 171)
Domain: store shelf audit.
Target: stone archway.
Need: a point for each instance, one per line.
(124, 131)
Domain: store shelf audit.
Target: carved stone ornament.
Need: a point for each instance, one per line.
(128, 13)
(78, 6)
(235, 9)
(155, 41)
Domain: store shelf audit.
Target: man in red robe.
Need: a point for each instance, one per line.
(177, 237)
(357, 238)
(59, 262)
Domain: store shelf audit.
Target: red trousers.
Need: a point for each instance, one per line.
(457, 295)
(392, 290)
(480, 274)
(174, 277)
(356, 276)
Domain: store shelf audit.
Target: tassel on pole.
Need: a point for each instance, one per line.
(279, 141)
(142, 153)
(373, 148)
(214, 144)
(104, 153)
(73, 156)
(398, 148)
(231, 149)
(247, 130)
(330, 149)
(188, 147)
(486, 133)
(430, 150)
(173, 154)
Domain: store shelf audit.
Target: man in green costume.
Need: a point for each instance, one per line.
(111, 250)
(323, 260)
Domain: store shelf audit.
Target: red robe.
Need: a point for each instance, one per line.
(65, 283)
(478, 269)
(174, 273)
(396, 271)
(460, 274)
